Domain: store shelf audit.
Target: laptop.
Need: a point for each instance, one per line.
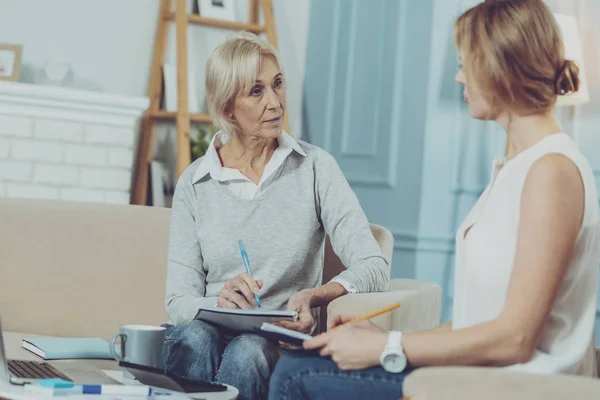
(19, 372)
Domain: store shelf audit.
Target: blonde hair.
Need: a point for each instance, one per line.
(514, 55)
(232, 69)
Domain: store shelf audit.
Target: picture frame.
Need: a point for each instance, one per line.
(170, 92)
(10, 62)
(157, 183)
(217, 9)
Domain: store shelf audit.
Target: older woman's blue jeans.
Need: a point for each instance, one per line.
(198, 350)
(305, 375)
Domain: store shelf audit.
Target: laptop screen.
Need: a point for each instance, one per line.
(4, 374)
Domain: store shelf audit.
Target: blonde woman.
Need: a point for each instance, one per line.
(526, 255)
(281, 197)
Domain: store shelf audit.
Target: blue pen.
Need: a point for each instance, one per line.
(248, 269)
(119, 390)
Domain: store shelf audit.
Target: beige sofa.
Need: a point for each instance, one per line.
(75, 269)
(78, 269)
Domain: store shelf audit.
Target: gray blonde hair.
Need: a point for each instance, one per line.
(232, 69)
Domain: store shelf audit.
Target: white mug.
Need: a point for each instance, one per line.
(140, 344)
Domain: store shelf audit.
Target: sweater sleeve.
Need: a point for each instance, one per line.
(347, 226)
(186, 276)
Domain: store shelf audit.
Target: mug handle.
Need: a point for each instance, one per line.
(112, 344)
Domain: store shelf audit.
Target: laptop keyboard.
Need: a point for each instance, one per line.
(34, 370)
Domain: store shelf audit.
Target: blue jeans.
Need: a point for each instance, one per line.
(305, 375)
(198, 350)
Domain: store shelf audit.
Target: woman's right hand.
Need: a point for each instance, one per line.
(239, 292)
(340, 320)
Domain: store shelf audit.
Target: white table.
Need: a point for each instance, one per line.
(13, 392)
(231, 392)
(12, 342)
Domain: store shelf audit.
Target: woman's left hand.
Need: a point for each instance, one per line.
(301, 303)
(357, 345)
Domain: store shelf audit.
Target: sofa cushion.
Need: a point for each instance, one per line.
(469, 383)
(78, 269)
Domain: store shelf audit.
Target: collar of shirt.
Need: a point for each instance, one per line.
(211, 164)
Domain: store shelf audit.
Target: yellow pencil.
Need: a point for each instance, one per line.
(373, 314)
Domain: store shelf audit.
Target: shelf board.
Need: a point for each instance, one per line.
(219, 23)
(170, 116)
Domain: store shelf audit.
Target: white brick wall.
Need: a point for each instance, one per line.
(15, 171)
(116, 197)
(67, 144)
(85, 155)
(43, 158)
(120, 158)
(4, 148)
(96, 178)
(31, 150)
(31, 191)
(104, 134)
(56, 174)
(15, 126)
(67, 131)
(72, 194)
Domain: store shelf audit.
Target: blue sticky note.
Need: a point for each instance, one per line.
(56, 383)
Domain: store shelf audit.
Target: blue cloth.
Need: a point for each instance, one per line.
(305, 375)
(198, 350)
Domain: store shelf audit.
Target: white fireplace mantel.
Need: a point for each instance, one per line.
(70, 104)
(59, 143)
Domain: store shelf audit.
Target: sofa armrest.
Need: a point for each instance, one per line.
(420, 305)
(474, 383)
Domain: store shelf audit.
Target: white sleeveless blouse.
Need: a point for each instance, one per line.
(484, 263)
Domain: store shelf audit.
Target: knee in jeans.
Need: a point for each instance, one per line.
(251, 347)
(193, 335)
(288, 365)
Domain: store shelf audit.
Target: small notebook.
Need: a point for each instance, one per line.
(67, 348)
(277, 333)
(243, 320)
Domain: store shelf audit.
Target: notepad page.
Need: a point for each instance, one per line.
(267, 327)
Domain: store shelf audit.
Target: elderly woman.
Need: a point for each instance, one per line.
(281, 197)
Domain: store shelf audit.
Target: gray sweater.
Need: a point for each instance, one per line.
(283, 230)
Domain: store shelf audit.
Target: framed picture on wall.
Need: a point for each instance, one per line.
(10, 62)
(170, 92)
(217, 9)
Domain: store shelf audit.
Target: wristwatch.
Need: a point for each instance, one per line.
(393, 358)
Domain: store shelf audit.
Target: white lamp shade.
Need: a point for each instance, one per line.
(573, 51)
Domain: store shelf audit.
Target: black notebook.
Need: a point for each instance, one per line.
(279, 334)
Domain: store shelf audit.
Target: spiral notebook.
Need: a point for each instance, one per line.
(243, 320)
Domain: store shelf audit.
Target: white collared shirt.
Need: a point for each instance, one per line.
(239, 184)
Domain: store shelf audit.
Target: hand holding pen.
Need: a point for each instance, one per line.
(240, 291)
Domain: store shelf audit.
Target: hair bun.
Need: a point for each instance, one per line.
(567, 78)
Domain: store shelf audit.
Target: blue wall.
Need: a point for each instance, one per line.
(380, 96)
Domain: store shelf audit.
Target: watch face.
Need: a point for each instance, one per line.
(394, 362)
